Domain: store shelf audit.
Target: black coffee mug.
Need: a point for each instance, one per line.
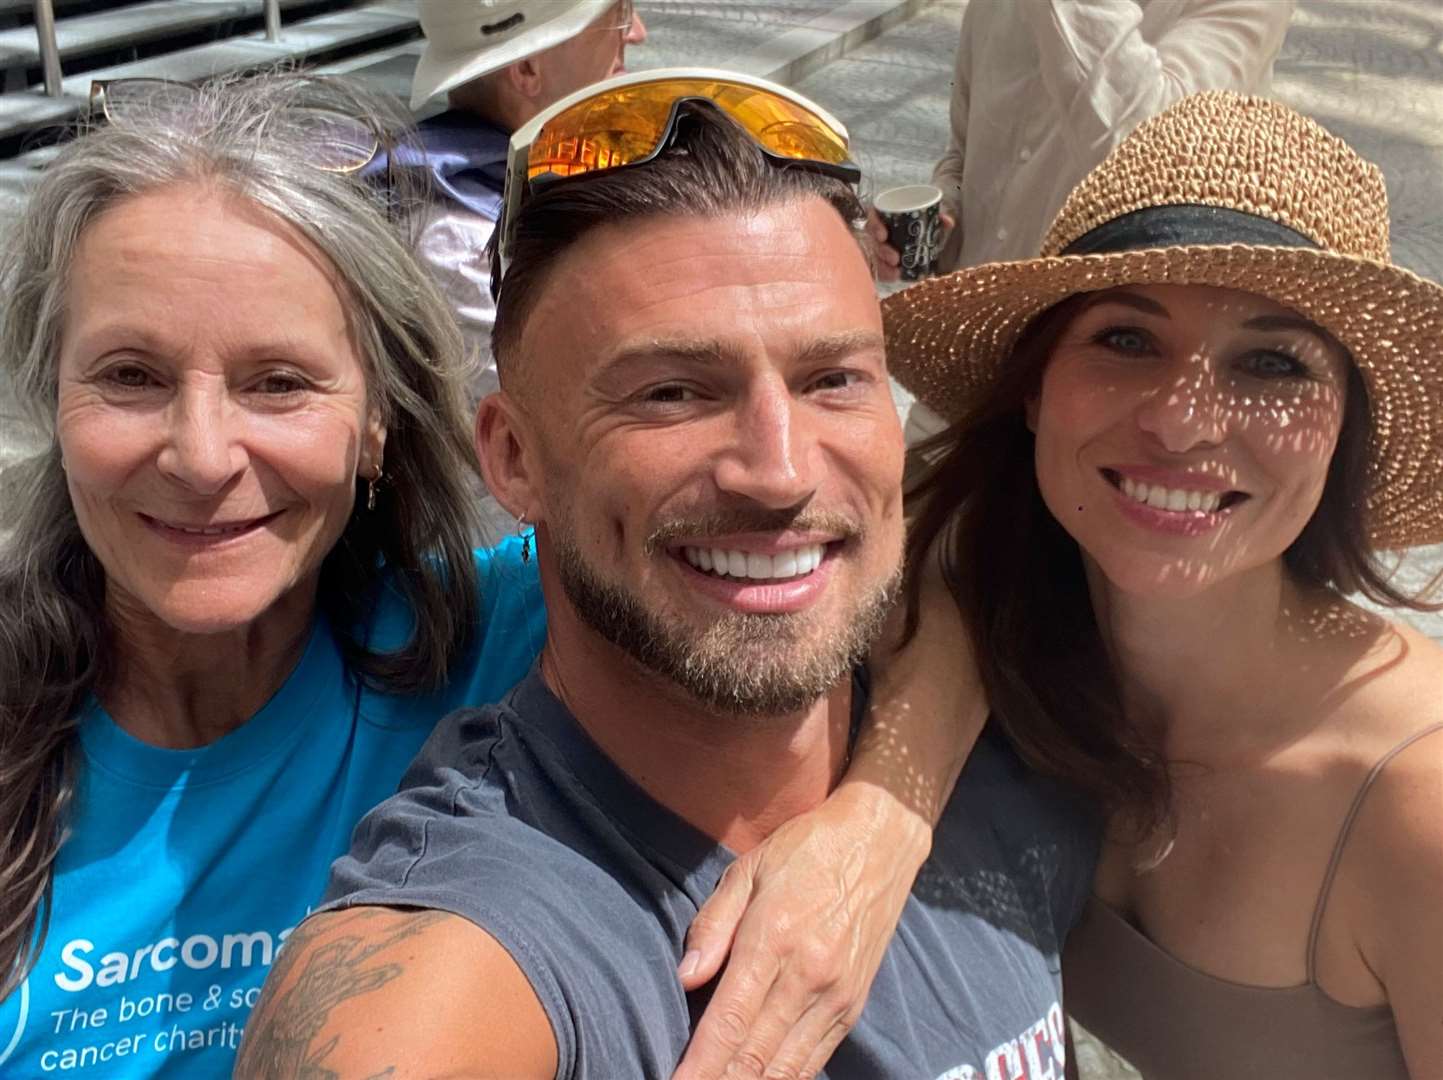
(913, 218)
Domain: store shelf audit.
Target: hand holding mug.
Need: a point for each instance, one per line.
(908, 226)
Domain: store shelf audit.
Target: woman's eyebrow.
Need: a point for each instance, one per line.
(1287, 322)
(1145, 304)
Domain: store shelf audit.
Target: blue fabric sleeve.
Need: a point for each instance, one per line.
(511, 631)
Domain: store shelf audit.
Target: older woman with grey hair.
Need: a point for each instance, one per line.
(238, 587)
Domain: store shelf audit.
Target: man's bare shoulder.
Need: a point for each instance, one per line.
(373, 992)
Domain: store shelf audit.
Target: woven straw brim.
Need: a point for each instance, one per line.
(947, 339)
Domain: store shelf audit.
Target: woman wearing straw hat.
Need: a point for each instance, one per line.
(1180, 438)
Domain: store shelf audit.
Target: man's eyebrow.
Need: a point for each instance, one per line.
(685, 350)
(836, 346)
(713, 353)
(1145, 304)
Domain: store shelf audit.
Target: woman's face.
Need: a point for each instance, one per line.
(1184, 432)
(212, 407)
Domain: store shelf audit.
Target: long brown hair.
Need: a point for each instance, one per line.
(1018, 578)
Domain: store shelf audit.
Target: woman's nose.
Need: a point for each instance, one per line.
(1186, 409)
(200, 450)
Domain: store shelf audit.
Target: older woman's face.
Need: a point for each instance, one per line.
(1184, 432)
(212, 406)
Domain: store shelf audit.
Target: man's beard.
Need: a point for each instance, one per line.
(743, 664)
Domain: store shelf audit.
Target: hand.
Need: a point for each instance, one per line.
(888, 258)
(806, 917)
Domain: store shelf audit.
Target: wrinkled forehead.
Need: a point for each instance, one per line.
(762, 282)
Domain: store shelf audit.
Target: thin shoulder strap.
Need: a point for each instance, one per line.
(1337, 856)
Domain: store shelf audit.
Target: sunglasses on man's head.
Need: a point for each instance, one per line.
(629, 120)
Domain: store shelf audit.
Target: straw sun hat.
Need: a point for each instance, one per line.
(1231, 191)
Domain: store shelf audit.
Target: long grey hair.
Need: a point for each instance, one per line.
(56, 648)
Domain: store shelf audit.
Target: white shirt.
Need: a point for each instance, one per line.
(1046, 88)
(452, 245)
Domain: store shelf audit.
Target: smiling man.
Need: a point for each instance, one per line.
(695, 415)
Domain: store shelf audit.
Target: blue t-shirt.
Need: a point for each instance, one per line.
(186, 869)
(513, 818)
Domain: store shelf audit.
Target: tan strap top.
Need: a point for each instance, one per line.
(1174, 1022)
(1343, 833)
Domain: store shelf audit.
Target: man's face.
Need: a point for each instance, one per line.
(720, 457)
(597, 53)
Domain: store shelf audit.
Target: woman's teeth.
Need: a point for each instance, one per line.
(210, 530)
(1175, 499)
(796, 562)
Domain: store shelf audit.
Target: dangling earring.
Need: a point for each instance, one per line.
(525, 538)
(371, 490)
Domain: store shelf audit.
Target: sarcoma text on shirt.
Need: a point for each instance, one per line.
(198, 952)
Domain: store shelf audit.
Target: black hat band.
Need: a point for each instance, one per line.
(1185, 226)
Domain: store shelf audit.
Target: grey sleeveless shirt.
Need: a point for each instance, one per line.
(514, 819)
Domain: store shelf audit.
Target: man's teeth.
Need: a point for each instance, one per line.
(748, 564)
(1175, 499)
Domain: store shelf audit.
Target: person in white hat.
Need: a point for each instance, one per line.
(499, 63)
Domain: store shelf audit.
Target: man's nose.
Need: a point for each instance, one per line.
(770, 458)
(200, 450)
(636, 32)
(1187, 409)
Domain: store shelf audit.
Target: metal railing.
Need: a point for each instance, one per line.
(50, 52)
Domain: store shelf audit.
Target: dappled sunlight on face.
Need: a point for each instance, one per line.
(1184, 433)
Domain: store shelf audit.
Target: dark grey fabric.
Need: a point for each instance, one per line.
(1185, 226)
(513, 818)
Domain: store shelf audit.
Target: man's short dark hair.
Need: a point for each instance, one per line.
(712, 167)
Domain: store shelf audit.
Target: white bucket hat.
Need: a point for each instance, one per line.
(466, 39)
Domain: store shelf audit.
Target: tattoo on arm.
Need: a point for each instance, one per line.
(280, 1040)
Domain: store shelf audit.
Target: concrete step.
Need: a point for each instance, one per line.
(383, 71)
(82, 35)
(783, 41)
(894, 93)
(351, 28)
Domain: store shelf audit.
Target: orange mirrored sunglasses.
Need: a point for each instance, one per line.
(631, 124)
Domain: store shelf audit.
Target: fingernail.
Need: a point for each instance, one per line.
(689, 963)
